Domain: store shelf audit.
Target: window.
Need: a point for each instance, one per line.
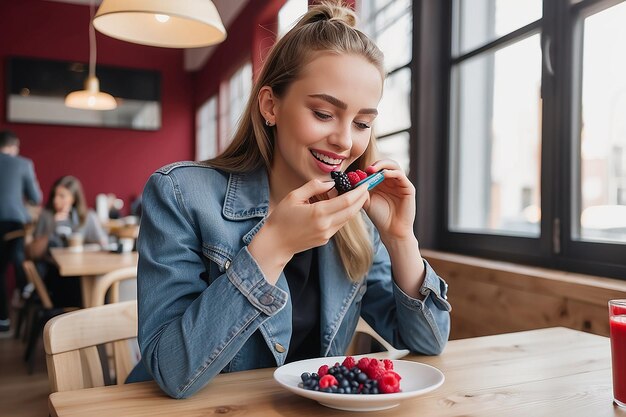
(206, 130)
(233, 96)
(289, 14)
(536, 133)
(390, 24)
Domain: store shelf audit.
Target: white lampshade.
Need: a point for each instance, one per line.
(166, 23)
(91, 98)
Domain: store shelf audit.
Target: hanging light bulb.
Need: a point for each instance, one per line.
(91, 98)
(166, 23)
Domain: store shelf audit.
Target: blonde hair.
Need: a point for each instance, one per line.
(326, 27)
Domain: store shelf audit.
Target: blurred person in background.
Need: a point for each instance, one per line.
(65, 214)
(18, 184)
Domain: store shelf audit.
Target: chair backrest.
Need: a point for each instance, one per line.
(111, 281)
(71, 341)
(32, 275)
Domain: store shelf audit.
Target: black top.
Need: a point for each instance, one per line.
(304, 285)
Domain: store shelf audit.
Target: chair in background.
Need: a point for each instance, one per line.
(71, 342)
(362, 342)
(41, 309)
(110, 283)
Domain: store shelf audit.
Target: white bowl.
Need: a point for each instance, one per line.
(417, 379)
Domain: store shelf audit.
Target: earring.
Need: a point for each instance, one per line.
(268, 123)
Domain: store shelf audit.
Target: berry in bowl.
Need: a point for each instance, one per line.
(365, 384)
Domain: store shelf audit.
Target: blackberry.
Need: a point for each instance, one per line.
(342, 182)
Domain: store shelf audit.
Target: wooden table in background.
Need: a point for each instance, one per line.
(550, 372)
(90, 264)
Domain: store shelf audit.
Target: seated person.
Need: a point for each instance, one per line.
(65, 214)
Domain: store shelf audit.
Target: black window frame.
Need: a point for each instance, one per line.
(430, 138)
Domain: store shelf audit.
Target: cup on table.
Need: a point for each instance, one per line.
(126, 244)
(617, 321)
(75, 242)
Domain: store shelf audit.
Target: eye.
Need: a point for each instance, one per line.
(322, 116)
(362, 125)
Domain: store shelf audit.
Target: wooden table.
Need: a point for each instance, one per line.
(550, 372)
(88, 265)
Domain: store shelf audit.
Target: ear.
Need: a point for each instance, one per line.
(268, 104)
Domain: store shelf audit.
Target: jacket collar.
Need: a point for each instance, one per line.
(247, 195)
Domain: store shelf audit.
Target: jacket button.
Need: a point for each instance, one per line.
(266, 299)
(279, 348)
(227, 265)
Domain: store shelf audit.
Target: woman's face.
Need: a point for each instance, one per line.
(324, 120)
(63, 200)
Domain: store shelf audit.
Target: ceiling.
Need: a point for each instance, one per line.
(196, 57)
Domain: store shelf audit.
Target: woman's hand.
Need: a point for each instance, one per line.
(392, 210)
(392, 203)
(297, 224)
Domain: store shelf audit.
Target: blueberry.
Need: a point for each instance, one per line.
(348, 390)
(341, 391)
(305, 376)
(333, 389)
(365, 390)
(315, 375)
(374, 390)
(351, 375)
(354, 384)
(356, 370)
(344, 383)
(325, 389)
(374, 383)
(362, 377)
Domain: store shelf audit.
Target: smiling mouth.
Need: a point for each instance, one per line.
(326, 159)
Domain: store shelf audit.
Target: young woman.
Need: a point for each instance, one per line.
(65, 214)
(252, 260)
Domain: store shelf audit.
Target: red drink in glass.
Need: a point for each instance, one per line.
(617, 317)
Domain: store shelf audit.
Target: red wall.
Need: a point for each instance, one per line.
(104, 159)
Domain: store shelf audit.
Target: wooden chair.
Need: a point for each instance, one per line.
(362, 342)
(41, 310)
(110, 283)
(71, 342)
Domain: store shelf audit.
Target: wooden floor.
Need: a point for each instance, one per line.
(21, 394)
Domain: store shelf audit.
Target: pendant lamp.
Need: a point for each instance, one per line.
(165, 23)
(91, 98)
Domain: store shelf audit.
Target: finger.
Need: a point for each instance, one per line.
(383, 164)
(341, 217)
(311, 189)
(350, 201)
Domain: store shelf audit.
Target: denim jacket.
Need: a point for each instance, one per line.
(205, 306)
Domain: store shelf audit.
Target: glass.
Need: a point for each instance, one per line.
(478, 22)
(617, 321)
(601, 214)
(394, 110)
(396, 147)
(495, 136)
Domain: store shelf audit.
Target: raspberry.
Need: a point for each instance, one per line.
(363, 364)
(353, 177)
(389, 383)
(376, 372)
(349, 362)
(323, 370)
(388, 364)
(362, 175)
(328, 381)
(342, 182)
(374, 363)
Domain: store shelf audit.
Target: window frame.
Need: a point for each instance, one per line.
(432, 54)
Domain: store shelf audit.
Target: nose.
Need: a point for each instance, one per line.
(342, 137)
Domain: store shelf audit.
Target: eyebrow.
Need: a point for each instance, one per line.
(338, 103)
